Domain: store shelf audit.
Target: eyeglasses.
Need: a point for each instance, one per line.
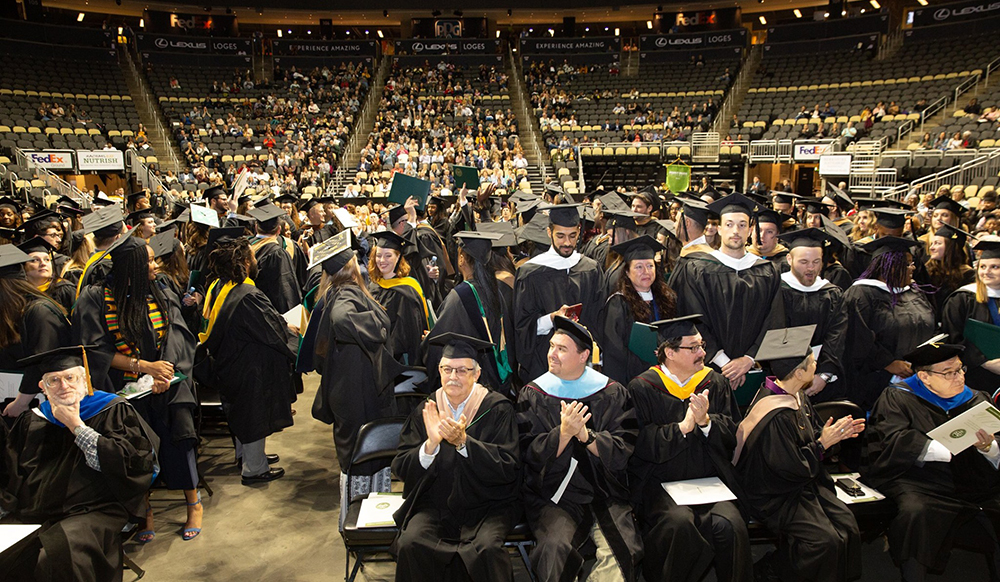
(54, 381)
(461, 372)
(950, 375)
(702, 346)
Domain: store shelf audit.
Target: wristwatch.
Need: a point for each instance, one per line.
(591, 437)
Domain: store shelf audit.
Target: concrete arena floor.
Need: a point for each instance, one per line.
(286, 530)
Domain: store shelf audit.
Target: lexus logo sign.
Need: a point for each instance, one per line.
(942, 14)
(661, 42)
(161, 43)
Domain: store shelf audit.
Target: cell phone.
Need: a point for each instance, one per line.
(573, 311)
(850, 487)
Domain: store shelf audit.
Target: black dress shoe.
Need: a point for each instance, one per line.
(272, 459)
(269, 475)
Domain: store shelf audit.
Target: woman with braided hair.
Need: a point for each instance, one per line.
(137, 325)
(888, 316)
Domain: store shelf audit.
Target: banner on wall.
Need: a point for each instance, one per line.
(722, 38)
(534, 46)
(956, 12)
(324, 48)
(51, 159)
(100, 160)
(678, 178)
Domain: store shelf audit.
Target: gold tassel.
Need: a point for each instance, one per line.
(86, 372)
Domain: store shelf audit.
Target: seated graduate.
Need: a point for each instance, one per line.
(977, 301)
(687, 416)
(80, 464)
(459, 461)
(942, 498)
(577, 430)
(779, 461)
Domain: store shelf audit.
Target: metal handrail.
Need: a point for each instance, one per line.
(738, 88)
(517, 82)
(963, 87)
(51, 180)
(992, 66)
(152, 109)
(371, 101)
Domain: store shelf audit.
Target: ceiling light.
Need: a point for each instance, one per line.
(617, 31)
(762, 19)
(379, 33)
(875, 4)
(279, 33)
(797, 13)
(142, 23)
(922, 2)
(649, 24)
(80, 16)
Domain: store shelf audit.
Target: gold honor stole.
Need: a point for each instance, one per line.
(212, 308)
(93, 259)
(411, 282)
(682, 392)
(288, 248)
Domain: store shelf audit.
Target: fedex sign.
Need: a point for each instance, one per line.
(52, 160)
(809, 152)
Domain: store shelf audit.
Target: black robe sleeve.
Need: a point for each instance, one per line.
(43, 328)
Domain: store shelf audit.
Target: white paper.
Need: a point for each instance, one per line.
(10, 384)
(345, 218)
(204, 215)
(12, 533)
(698, 491)
(959, 433)
(869, 493)
(377, 510)
(565, 482)
(296, 316)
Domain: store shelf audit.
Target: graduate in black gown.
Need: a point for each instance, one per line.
(400, 295)
(779, 463)
(768, 245)
(578, 429)
(809, 299)
(253, 351)
(107, 224)
(947, 265)
(641, 294)
(315, 229)
(977, 301)
(147, 337)
(275, 256)
(549, 283)
(734, 290)
(41, 272)
(477, 308)
(351, 353)
(887, 317)
(39, 325)
(687, 430)
(80, 465)
(460, 465)
(943, 499)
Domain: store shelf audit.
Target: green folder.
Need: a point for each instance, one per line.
(752, 383)
(404, 186)
(985, 336)
(467, 176)
(643, 341)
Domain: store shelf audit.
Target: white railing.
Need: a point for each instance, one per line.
(981, 166)
(994, 65)
(531, 130)
(931, 110)
(369, 106)
(152, 110)
(964, 86)
(53, 183)
(738, 88)
(145, 177)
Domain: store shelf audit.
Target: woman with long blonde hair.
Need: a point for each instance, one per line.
(976, 306)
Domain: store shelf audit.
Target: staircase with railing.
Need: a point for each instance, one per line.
(529, 132)
(351, 157)
(738, 90)
(168, 155)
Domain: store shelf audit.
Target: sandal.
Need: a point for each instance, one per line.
(192, 532)
(146, 536)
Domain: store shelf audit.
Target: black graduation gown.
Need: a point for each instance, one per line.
(319, 234)
(598, 489)
(407, 322)
(459, 505)
(171, 413)
(961, 307)
(276, 276)
(455, 317)
(934, 499)
(427, 246)
(939, 296)
(253, 365)
(539, 290)
(824, 308)
(356, 366)
(735, 306)
(620, 364)
(679, 540)
(787, 488)
(46, 481)
(42, 328)
(62, 292)
(198, 265)
(838, 275)
(877, 334)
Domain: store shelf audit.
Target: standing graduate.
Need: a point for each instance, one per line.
(548, 284)
(30, 323)
(424, 254)
(252, 350)
(146, 336)
(641, 295)
(947, 265)
(460, 465)
(687, 417)
(400, 295)
(942, 498)
(734, 290)
(107, 224)
(276, 277)
(779, 463)
(809, 299)
(476, 308)
(888, 316)
(578, 429)
(767, 242)
(80, 465)
(977, 301)
(352, 355)
(315, 229)
(40, 272)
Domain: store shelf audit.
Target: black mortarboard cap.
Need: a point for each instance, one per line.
(504, 229)
(125, 244)
(217, 236)
(478, 244)
(650, 197)
(784, 197)
(891, 217)
(333, 253)
(676, 327)
(806, 237)
(103, 221)
(213, 192)
(838, 234)
(956, 235)
(394, 214)
(933, 351)
(536, 231)
(307, 204)
(872, 203)
(135, 196)
(890, 244)
(32, 226)
(8, 201)
(640, 248)
(286, 198)
(134, 217)
(784, 349)
(11, 259)
(36, 245)
(612, 201)
(267, 215)
(623, 218)
(69, 209)
(816, 206)
(563, 214)
(103, 202)
(163, 243)
(458, 346)
(575, 330)
(388, 239)
(695, 209)
(990, 249)
(841, 198)
(735, 203)
(772, 216)
(61, 359)
(669, 227)
(946, 202)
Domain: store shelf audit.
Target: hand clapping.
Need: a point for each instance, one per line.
(573, 419)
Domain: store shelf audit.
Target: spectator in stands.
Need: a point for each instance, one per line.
(174, 83)
(802, 114)
(968, 142)
(956, 142)
(893, 108)
(849, 133)
(973, 107)
(941, 143)
(926, 142)
(828, 111)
